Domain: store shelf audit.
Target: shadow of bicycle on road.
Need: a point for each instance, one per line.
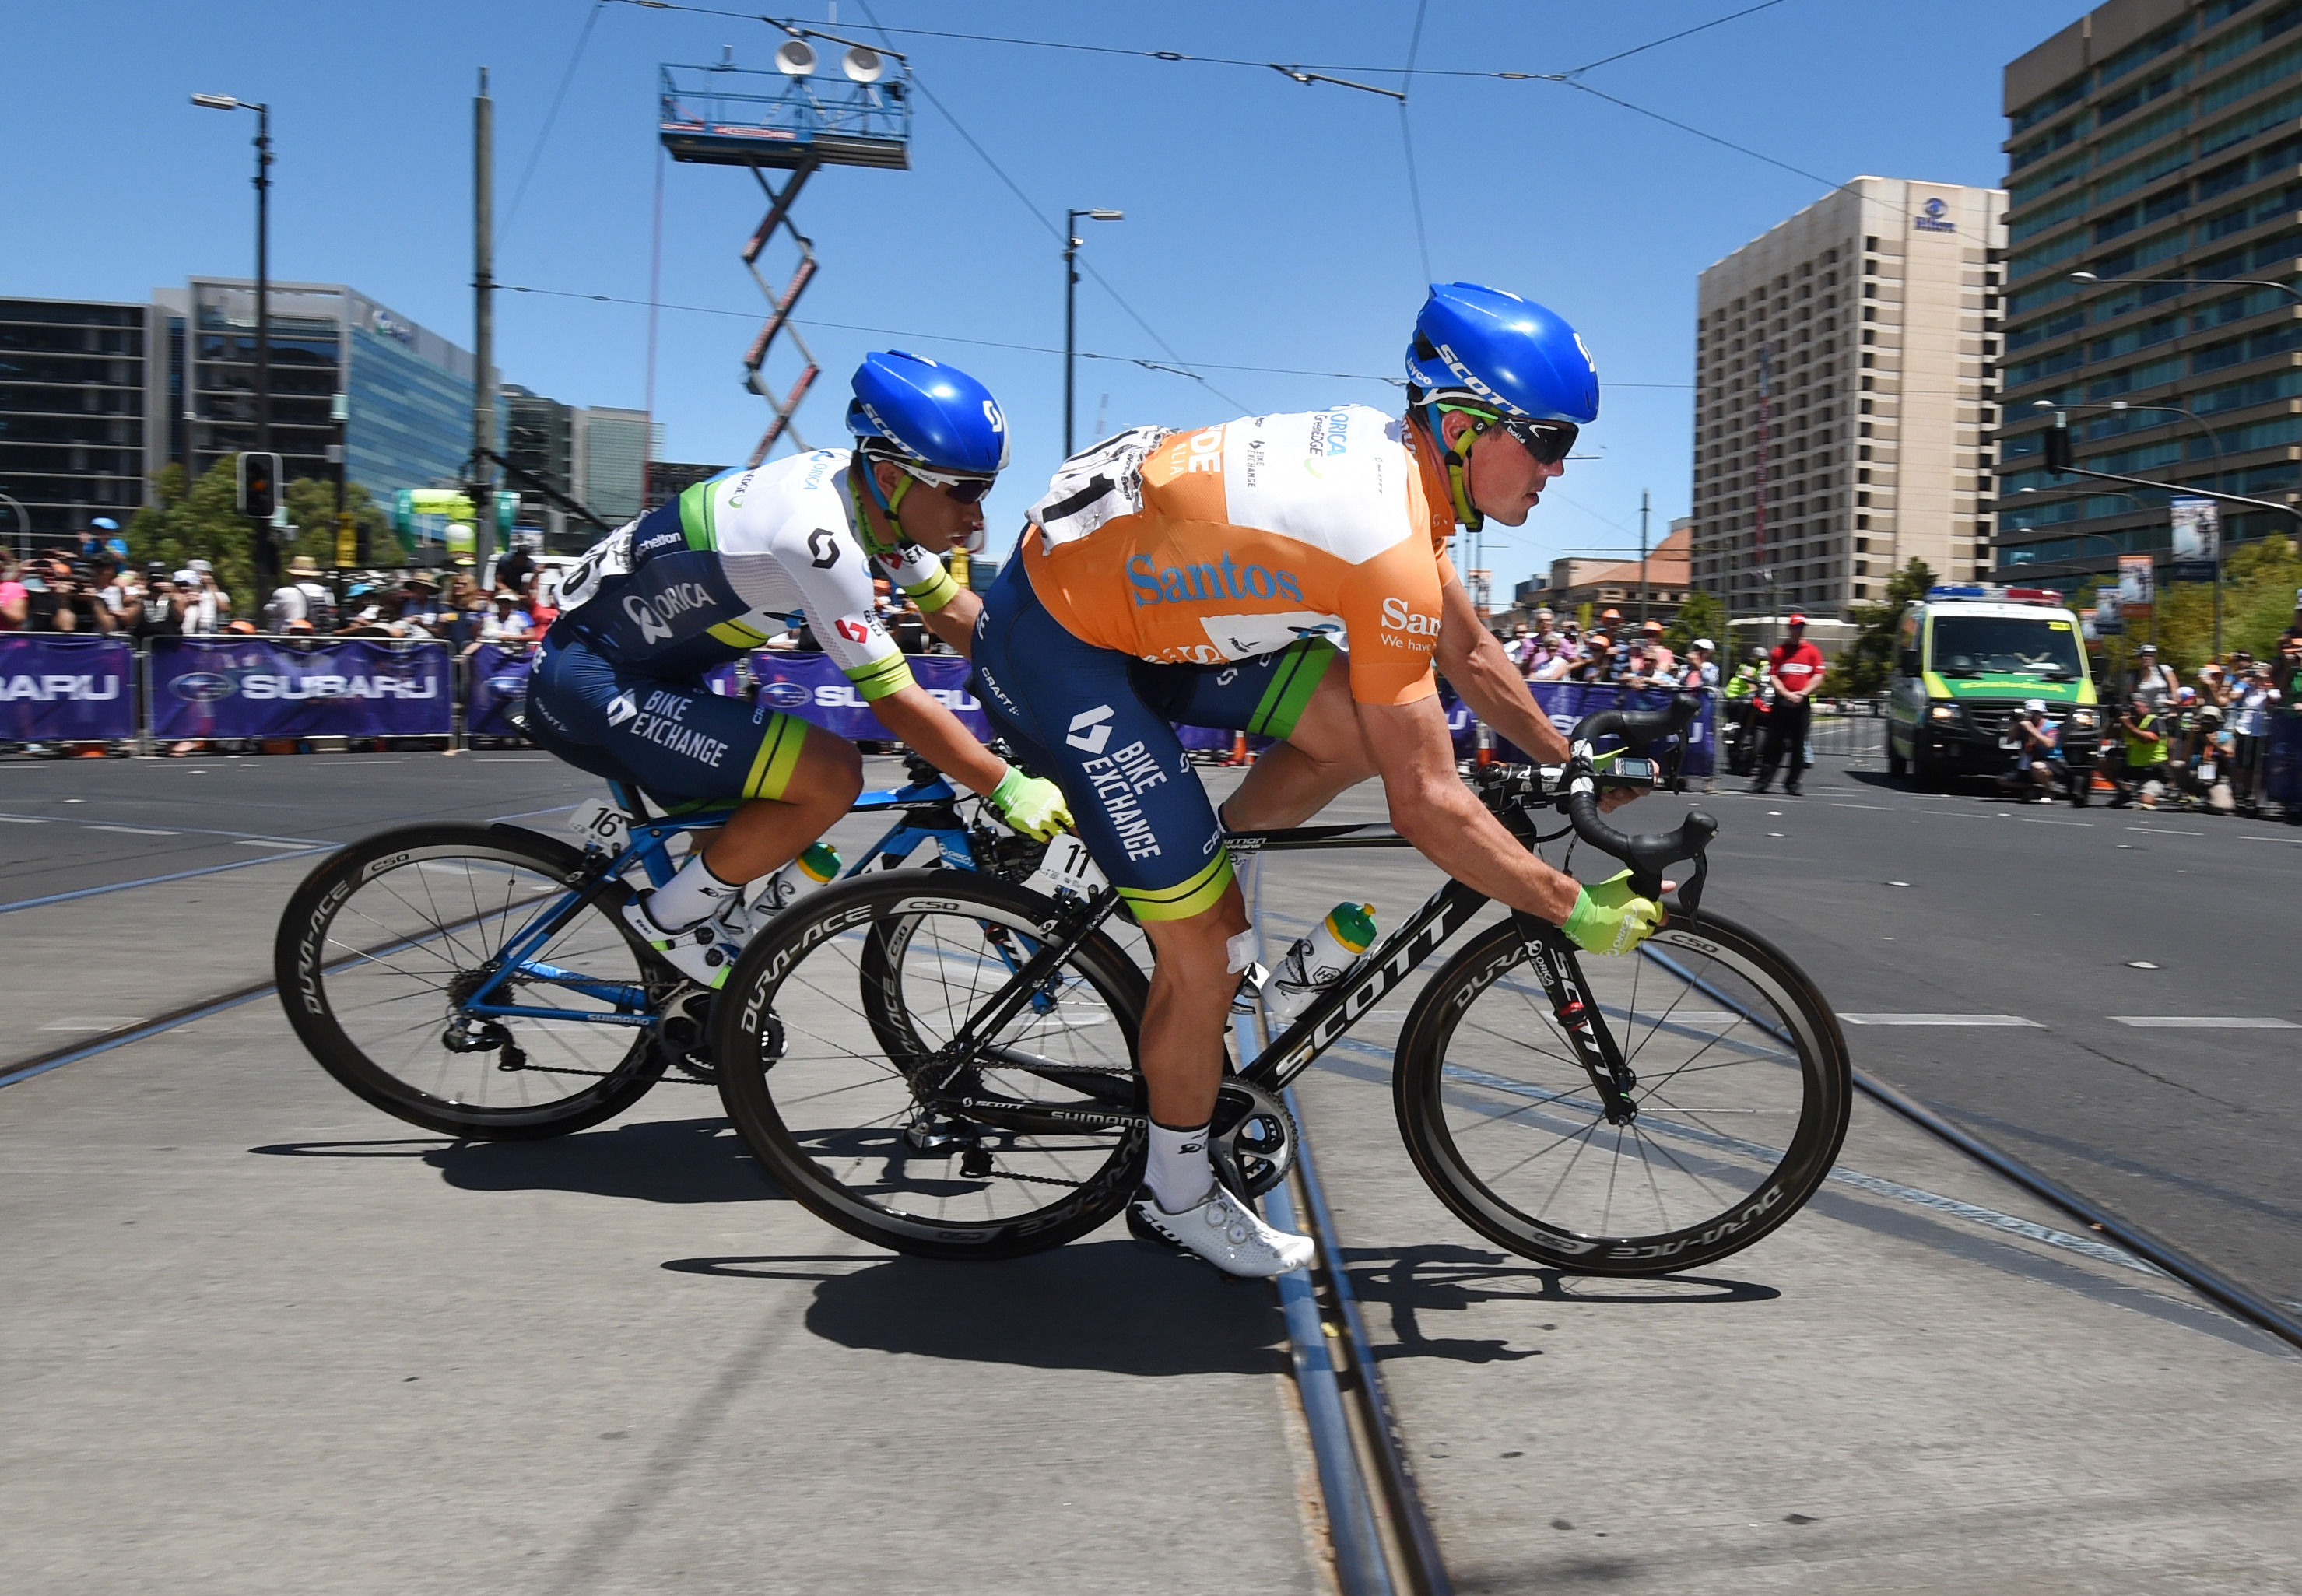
(1117, 1306)
(653, 1161)
(1441, 1278)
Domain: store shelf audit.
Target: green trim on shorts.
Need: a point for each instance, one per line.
(778, 757)
(737, 635)
(880, 678)
(697, 516)
(1301, 668)
(1196, 895)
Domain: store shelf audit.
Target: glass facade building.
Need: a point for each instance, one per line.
(612, 449)
(409, 390)
(2154, 141)
(72, 402)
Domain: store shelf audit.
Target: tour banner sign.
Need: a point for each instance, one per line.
(812, 687)
(297, 687)
(496, 689)
(56, 687)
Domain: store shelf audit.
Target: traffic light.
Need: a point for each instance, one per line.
(259, 485)
(2058, 445)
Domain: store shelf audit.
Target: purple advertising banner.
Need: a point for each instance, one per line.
(297, 687)
(2281, 761)
(58, 688)
(812, 687)
(1563, 703)
(495, 688)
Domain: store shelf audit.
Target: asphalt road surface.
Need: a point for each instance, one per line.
(264, 1337)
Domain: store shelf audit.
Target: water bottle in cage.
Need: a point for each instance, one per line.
(816, 867)
(1317, 962)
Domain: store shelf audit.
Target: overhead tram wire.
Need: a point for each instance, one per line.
(795, 26)
(1041, 217)
(994, 343)
(1406, 138)
(551, 117)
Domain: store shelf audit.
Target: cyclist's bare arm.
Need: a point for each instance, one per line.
(954, 623)
(1433, 810)
(1471, 660)
(915, 717)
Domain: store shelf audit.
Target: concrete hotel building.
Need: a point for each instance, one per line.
(1872, 315)
(2159, 141)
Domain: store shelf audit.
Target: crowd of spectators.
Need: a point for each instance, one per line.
(2203, 745)
(1626, 655)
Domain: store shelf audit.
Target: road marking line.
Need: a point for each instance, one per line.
(263, 843)
(1954, 814)
(1940, 1020)
(133, 830)
(2163, 831)
(92, 1022)
(91, 892)
(2247, 837)
(1884, 808)
(2203, 1022)
(2041, 821)
(309, 842)
(25, 820)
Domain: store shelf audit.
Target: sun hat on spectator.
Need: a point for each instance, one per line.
(2034, 706)
(1798, 618)
(190, 578)
(1705, 644)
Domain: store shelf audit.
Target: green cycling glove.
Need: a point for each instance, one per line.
(1032, 806)
(1610, 917)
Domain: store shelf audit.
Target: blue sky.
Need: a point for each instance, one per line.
(1268, 224)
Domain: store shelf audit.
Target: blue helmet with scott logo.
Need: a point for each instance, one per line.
(922, 412)
(1501, 353)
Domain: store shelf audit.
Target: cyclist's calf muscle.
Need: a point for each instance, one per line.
(766, 833)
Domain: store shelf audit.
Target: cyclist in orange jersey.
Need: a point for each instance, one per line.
(1207, 578)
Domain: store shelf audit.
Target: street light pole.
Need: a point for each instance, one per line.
(2214, 448)
(1071, 302)
(264, 552)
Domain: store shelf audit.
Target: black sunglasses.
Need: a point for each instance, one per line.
(963, 489)
(1550, 442)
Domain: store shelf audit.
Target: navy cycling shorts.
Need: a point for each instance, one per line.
(675, 740)
(1096, 722)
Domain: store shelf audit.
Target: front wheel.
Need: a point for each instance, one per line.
(1743, 1089)
(382, 945)
(838, 1041)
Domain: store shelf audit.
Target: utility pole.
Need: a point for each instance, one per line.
(484, 326)
(263, 279)
(1642, 559)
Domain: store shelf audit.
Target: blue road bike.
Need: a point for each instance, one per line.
(479, 980)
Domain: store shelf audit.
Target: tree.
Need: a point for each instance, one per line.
(1701, 616)
(200, 521)
(1862, 669)
(312, 508)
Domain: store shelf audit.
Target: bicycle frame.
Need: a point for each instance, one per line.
(1335, 1012)
(928, 817)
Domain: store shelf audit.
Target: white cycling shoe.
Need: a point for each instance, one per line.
(703, 952)
(1226, 1232)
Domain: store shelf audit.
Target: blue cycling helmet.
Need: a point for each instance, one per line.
(1502, 353)
(920, 413)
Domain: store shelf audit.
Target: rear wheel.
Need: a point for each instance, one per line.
(1897, 766)
(836, 1038)
(382, 943)
(1743, 1087)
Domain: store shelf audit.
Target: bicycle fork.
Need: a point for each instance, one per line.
(1595, 1046)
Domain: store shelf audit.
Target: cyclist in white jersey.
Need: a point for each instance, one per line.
(619, 689)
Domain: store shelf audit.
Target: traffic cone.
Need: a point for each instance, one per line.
(2103, 784)
(1238, 753)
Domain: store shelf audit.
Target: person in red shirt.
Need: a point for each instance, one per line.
(1795, 668)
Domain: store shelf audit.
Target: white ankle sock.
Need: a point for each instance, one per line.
(1178, 1172)
(690, 896)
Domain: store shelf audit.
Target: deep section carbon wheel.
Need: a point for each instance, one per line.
(838, 1039)
(384, 942)
(1743, 1089)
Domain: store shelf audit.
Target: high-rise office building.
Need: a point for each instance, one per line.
(1842, 384)
(612, 452)
(2155, 145)
(72, 402)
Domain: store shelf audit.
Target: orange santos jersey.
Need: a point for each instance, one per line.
(1239, 540)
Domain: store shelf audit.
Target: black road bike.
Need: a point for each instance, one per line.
(945, 1064)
